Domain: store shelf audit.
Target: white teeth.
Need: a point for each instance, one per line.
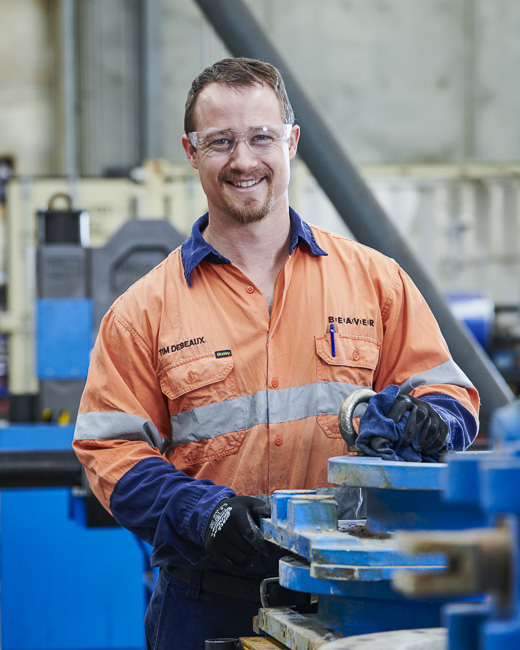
(247, 183)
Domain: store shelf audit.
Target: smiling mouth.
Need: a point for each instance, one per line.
(245, 183)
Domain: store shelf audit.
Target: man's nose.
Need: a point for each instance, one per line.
(242, 153)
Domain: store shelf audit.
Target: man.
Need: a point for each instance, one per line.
(219, 375)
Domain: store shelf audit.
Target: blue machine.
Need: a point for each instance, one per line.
(70, 578)
(492, 554)
(435, 565)
(64, 586)
(350, 565)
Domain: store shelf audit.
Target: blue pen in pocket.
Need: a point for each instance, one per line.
(332, 342)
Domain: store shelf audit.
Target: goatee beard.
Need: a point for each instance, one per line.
(251, 210)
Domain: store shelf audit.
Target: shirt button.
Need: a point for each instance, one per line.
(191, 377)
(250, 289)
(355, 355)
(278, 441)
(275, 383)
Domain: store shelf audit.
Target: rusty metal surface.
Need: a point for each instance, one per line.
(296, 631)
(260, 643)
(421, 639)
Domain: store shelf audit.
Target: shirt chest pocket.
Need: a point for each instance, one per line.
(354, 362)
(198, 381)
(206, 426)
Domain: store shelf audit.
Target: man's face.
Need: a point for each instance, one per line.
(243, 186)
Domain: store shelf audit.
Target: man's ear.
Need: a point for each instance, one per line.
(293, 141)
(190, 151)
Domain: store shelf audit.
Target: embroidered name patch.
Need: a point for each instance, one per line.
(180, 346)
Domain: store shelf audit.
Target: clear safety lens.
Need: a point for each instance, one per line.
(259, 139)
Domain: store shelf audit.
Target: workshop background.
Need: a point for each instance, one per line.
(422, 97)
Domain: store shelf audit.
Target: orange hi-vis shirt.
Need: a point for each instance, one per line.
(191, 378)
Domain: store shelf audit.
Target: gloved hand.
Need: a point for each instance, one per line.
(232, 539)
(424, 424)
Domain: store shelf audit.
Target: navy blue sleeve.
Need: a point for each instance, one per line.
(166, 508)
(462, 424)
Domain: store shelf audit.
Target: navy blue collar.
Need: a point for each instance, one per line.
(196, 248)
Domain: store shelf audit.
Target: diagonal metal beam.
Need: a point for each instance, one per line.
(353, 199)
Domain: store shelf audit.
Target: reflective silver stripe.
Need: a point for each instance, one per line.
(263, 407)
(116, 425)
(240, 413)
(299, 402)
(447, 373)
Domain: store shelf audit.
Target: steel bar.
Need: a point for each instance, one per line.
(353, 199)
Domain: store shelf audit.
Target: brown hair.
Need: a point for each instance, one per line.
(238, 72)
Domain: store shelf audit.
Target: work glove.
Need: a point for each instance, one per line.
(233, 539)
(424, 425)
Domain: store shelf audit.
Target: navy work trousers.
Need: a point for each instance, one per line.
(182, 617)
